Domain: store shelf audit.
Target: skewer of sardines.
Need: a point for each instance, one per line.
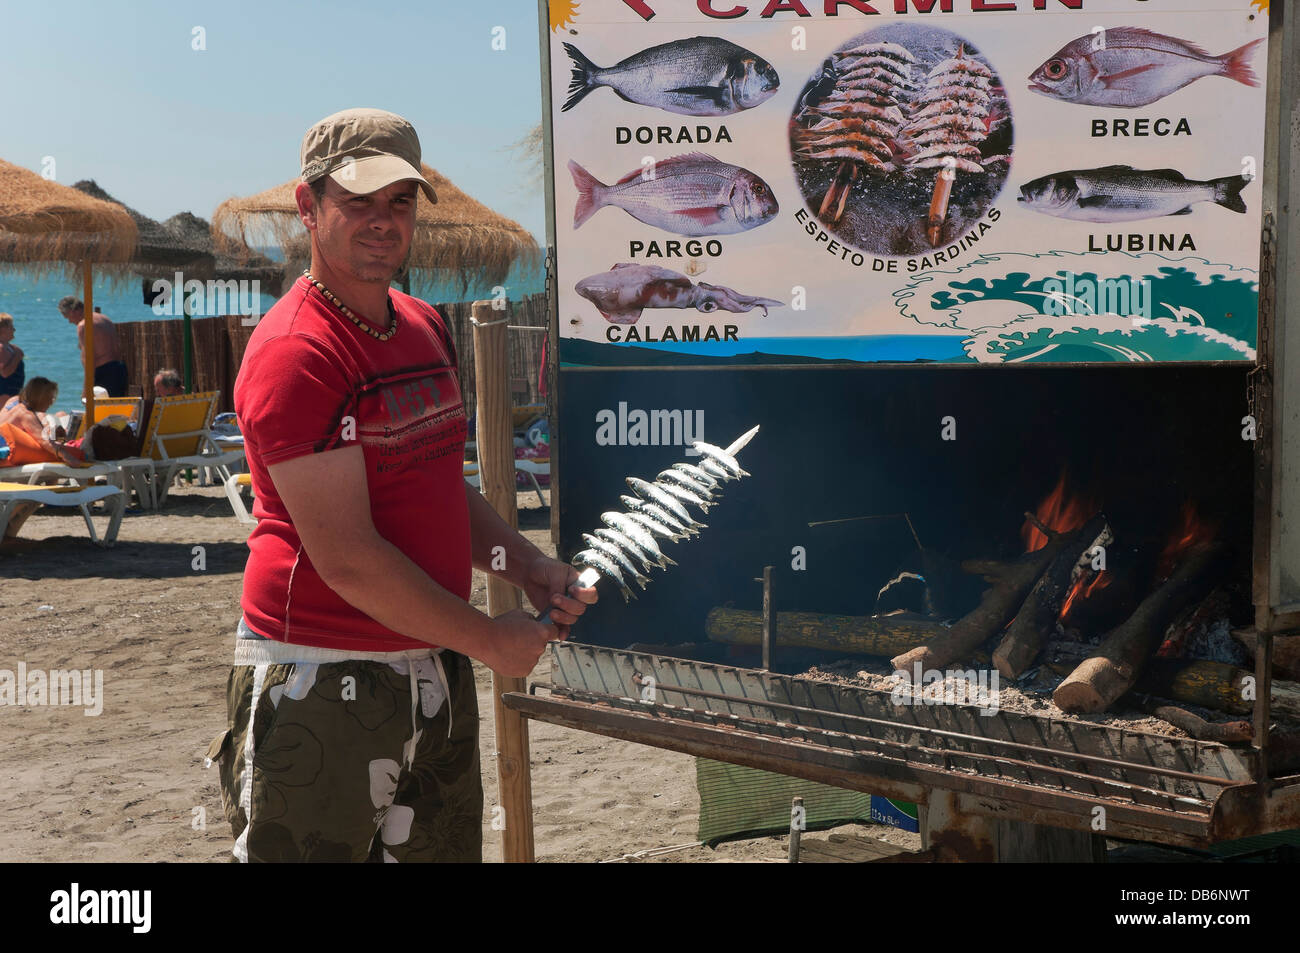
(627, 547)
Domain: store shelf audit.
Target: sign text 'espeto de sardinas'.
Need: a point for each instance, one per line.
(782, 181)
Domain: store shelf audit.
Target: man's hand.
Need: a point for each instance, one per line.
(547, 585)
(517, 644)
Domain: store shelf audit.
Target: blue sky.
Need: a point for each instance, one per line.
(115, 92)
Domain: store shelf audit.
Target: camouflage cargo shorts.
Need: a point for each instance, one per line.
(356, 760)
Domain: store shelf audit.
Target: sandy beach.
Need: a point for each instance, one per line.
(129, 784)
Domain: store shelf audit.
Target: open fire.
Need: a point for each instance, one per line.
(1104, 617)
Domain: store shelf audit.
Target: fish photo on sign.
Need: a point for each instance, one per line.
(902, 139)
(696, 76)
(692, 195)
(1128, 67)
(621, 293)
(1121, 193)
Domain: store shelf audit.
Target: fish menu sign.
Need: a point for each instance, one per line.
(997, 181)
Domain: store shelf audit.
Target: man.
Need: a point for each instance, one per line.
(12, 371)
(167, 383)
(351, 736)
(110, 370)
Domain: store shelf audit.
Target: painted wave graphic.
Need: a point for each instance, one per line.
(1059, 307)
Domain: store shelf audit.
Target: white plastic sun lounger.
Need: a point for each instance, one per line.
(14, 494)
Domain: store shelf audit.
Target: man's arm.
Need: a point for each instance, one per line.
(545, 581)
(328, 500)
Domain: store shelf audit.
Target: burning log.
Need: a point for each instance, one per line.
(853, 635)
(1105, 599)
(1215, 685)
(1193, 620)
(1012, 582)
(1111, 671)
(1038, 616)
(1226, 732)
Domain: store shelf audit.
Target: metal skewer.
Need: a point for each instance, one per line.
(590, 576)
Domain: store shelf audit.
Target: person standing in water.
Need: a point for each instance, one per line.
(12, 370)
(110, 369)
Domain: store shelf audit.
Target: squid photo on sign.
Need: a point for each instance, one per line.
(621, 293)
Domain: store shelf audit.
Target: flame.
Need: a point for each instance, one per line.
(563, 12)
(1082, 590)
(1261, 5)
(1191, 531)
(1060, 512)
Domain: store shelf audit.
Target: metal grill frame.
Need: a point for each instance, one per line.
(1034, 769)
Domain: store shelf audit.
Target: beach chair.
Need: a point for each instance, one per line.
(533, 468)
(13, 495)
(469, 471)
(178, 436)
(128, 407)
(136, 474)
(127, 475)
(234, 483)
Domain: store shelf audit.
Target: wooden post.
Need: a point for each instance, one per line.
(796, 828)
(769, 620)
(496, 468)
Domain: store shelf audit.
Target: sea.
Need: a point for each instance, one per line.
(49, 342)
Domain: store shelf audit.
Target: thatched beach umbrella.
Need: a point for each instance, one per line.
(184, 243)
(159, 251)
(245, 265)
(46, 227)
(458, 238)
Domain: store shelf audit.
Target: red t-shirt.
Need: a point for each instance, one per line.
(309, 378)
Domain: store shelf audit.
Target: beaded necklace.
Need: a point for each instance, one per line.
(347, 312)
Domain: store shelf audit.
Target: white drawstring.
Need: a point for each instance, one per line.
(446, 688)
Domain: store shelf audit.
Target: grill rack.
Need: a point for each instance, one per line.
(1030, 768)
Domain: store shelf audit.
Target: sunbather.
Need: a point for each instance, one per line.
(23, 429)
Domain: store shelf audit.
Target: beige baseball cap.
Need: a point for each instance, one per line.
(363, 150)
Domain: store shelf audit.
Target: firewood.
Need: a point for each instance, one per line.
(1215, 685)
(1191, 620)
(1127, 581)
(1111, 671)
(853, 635)
(1201, 682)
(1225, 732)
(1036, 619)
(1012, 583)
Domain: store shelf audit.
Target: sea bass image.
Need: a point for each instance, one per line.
(621, 293)
(1129, 67)
(1121, 193)
(692, 194)
(699, 76)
